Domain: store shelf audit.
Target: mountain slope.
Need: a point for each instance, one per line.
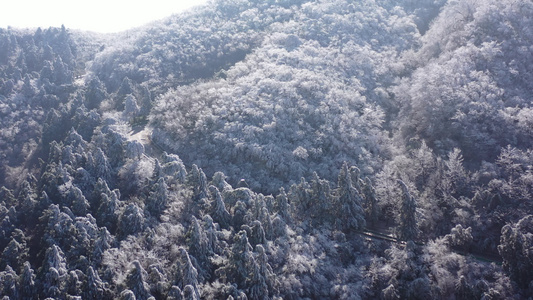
(287, 149)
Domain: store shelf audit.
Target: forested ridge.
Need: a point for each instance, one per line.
(278, 149)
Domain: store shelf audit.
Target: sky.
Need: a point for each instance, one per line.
(93, 15)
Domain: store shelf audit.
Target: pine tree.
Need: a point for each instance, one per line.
(127, 295)
(188, 275)
(9, 283)
(198, 181)
(350, 214)
(44, 201)
(135, 280)
(157, 280)
(95, 94)
(282, 205)
(62, 74)
(100, 187)
(28, 89)
(73, 284)
(106, 213)
(94, 287)
(219, 181)
(131, 221)
(158, 171)
(407, 227)
(27, 199)
(266, 222)
(75, 140)
(27, 283)
(355, 175)
(134, 150)
(189, 293)
(100, 166)
(101, 244)
(320, 206)
(515, 248)
(239, 214)
(175, 293)
(266, 270)
(257, 235)
(371, 203)
(55, 258)
(7, 197)
(157, 201)
(211, 234)
(300, 198)
(80, 205)
(146, 101)
(131, 109)
(390, 293)
(278, 227)
(463, 290)
(257, 287)
(7, 225)
(174, 168)
(54, 283)
(16, 252)
(240, 258)
(218, 209)
(197, 241)
(114, 148)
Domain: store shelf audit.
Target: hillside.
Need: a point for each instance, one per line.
(291, 149)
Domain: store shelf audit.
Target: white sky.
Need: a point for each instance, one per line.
(93, 15)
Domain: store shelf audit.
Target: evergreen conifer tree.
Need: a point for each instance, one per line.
(188, 275)
(100, 166)
(257, 287)
(157, 201)
(175, 293)
(219, 181)
(9, 283)
(199, 182)
(131, 109)
(127, 295)
(54, 272)
(189, 293)
(257, 235)
(211, 234)
(106, 213)
(218, 208)
(80, 205)
(371, 203)
(73, 284)
(131, 221)
(350, 214)
(321, 204)
(27, 283)
(266, 270)
(174, 168)
(239, 214)
(408, 227)
(103, 242)
(240, 258)
(96, 93)
(282, 205)
(16, 252)
(197, 241)
(515, 248)
(94, 288)
(135, 280)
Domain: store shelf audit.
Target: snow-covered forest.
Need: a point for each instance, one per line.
(272, 149)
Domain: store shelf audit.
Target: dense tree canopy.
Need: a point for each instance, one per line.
(293, 149)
